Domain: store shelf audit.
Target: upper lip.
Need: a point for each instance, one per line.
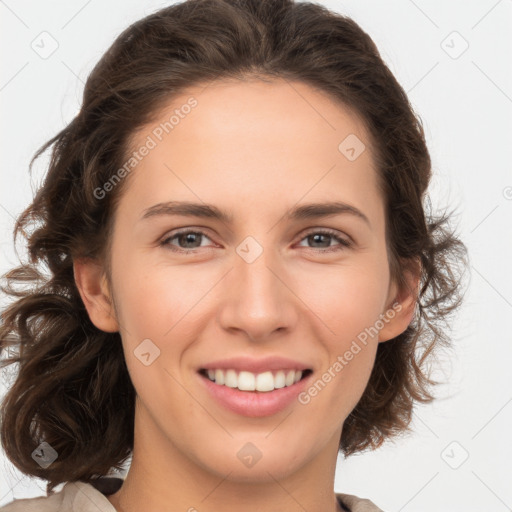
(256, 365)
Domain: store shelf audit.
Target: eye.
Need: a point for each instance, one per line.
(320, 237)
(187, 237)
(189, 240)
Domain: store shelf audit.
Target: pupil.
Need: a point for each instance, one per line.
(189, 237)
(319, 235)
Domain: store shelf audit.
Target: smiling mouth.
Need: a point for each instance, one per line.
(256, 383)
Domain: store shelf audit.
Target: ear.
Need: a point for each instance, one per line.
(92, 284)
(402, 303)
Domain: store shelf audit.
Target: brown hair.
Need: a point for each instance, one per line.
(73, 389)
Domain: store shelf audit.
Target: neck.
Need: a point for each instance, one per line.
(161, 477)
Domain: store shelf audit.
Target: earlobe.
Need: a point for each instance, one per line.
(96, 296)
(401, 314)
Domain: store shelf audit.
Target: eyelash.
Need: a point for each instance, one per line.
(344, 244)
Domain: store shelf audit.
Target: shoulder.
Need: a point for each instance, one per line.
(73, 497)
(84, 497)
(354, 504)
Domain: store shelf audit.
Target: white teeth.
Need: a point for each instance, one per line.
(248, 381)
(230, 379)
(219, 376)
(279, 379)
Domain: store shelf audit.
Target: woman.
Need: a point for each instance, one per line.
(189, 320)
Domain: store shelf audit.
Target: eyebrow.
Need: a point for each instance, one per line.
(209, 211)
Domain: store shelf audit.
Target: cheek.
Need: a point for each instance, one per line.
(346, 299)
(154, 297)
(156, 305)
(341, 382)
(346, 305)
(163, 305)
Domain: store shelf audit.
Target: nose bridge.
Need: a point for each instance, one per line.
(257, 300)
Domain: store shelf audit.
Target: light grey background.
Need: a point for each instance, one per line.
(465, 101)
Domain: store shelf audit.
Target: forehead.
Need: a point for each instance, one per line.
(254, 110)
(253, 142)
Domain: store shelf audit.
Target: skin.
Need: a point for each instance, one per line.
(254, 149)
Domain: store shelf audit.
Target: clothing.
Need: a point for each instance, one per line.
(84, 497)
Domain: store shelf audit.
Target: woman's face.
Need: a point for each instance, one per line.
(262, 282)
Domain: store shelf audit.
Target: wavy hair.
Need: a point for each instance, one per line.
(72, 388)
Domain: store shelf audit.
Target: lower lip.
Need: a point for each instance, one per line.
(255, 403)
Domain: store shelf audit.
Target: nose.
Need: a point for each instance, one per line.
(258, 299)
